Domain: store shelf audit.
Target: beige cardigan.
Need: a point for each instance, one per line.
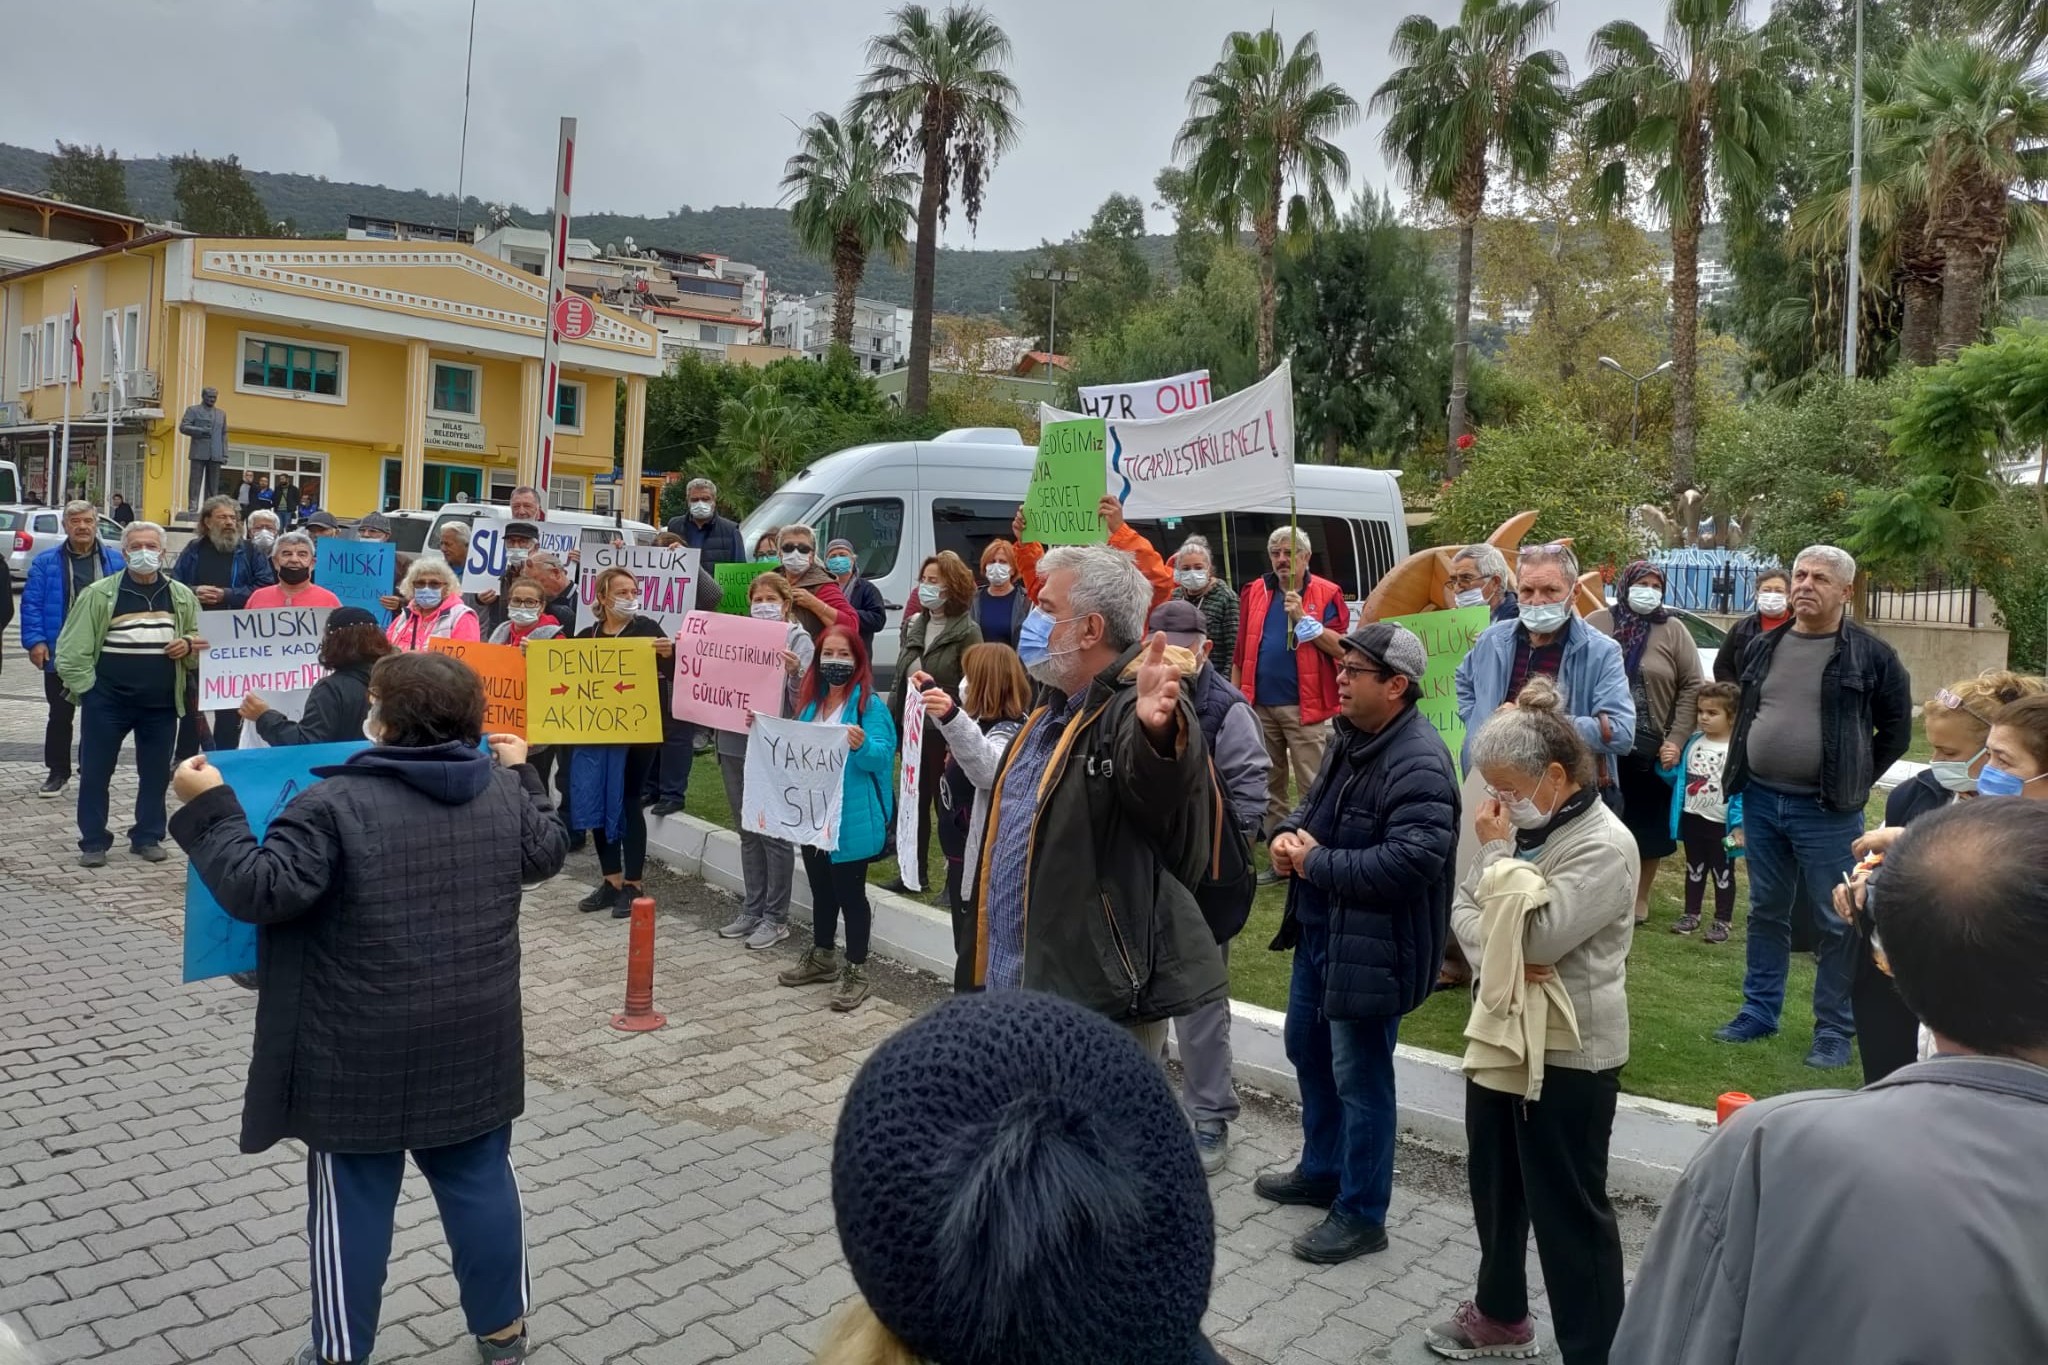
(1671, 673)
(1512, 1025)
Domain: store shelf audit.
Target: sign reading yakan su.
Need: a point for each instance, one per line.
(268, 651)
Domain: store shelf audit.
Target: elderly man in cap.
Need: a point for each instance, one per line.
(1369, 858)
(1237, 747)
(522, 538)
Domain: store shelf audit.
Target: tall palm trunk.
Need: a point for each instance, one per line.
(1921, 292)
(1461, 344)
(1266, 231)
(848, 265)
(917, 389)
(1685, 336)
(1962, 299)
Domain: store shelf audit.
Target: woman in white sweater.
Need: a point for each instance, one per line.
(1543, 1162)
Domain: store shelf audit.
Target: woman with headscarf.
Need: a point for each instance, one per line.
(1664, 677)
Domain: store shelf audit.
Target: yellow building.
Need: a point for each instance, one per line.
(372, 374)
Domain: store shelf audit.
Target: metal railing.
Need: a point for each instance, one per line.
(1720, 581)
(1931, 599)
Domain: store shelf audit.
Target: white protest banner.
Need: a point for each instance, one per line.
(1150, 400)
(290, 705)
(792, 789)
(270, 651)
(1237, 452)
(728, 667)
(484, 570)
(667, 578)
(909, 866)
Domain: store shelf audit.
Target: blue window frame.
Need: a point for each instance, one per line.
(291, 369)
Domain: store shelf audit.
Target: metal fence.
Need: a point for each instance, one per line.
(1931, 599)
(1722, 581)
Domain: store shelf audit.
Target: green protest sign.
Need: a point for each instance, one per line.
(1068, 479)
(1448, 636)
(733, 582)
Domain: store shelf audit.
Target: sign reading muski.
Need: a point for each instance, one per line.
(269, 651)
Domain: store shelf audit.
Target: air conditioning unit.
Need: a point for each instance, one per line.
(13, 414)
(96, 403)
(141, 385)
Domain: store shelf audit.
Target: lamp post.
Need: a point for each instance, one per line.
(1636, 412)
(1855, 268)
(1055, 278)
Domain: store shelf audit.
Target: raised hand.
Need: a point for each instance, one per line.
(1158, 691)
(194, 778)
(1111, 510)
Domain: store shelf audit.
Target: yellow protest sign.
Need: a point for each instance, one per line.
(592, 692)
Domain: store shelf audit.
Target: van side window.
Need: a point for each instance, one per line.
(874, 525)
(967, 525)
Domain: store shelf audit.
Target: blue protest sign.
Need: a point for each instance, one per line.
(264, 781)
(358, 572)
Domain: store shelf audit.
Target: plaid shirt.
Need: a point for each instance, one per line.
(1011, 857)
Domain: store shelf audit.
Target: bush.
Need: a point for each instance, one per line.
(1580, 486)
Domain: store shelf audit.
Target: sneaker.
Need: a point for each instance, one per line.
(603, 896)
(815, 968)
(1291, 1188)
(853, 988)
(1745, 1028)
(1717, 932)
(490, 1351)
(1687, 924)
(1212, 1143)
(767, 934)
(308, 1354)
(628, 893)
(150, 853)
(666, 808)
(1268, 877)
(96, 857)
(1471, 1335)
(1830, 1051)
(1339, 1238)
(52, 786)
(742, 926)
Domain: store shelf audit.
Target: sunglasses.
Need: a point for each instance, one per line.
(1952, 702)
(792, 547)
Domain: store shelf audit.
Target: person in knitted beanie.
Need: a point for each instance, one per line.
(1015, 1184)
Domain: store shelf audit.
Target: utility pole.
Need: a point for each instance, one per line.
(1635, 419)
(1853, 304)
(1055, 278)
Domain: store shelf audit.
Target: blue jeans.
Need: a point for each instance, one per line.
(103, 722)
(1345, 1068)
(1790, 839)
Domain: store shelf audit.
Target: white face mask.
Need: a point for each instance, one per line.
(1524, 813)
(1770, 603)
(928, 593)
(524, 616)
(263, 540)
(1471, 597)
(797, 562)
(1546, 619)
(766, 611)
(373, 726)
(1644, 600)
(702, 510)
(625, 606)
(145, 561)
(998, 573)
(1194, 580)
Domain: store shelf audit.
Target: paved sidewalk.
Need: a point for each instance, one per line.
(677, 1183)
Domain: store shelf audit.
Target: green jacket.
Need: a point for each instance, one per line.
(85, 631)
(943, 655)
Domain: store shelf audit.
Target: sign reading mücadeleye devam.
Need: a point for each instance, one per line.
(1149, 401)
(1235, 453)
(268, 651)
(667, 579)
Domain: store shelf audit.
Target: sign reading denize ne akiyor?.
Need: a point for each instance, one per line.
(269, 651)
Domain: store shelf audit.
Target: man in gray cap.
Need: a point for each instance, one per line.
(1369, 856)
(207, 425)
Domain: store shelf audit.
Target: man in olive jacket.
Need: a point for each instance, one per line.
(1100, 820)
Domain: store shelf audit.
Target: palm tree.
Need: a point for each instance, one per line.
(1467, 97)
(1261, 119)
(1710, 104)
(851, 202)
(760, 444)
(936, 84)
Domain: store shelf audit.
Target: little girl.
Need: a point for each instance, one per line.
(1703, 818)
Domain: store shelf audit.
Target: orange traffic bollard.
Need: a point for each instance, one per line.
(639, 1016)
(1729, 1103)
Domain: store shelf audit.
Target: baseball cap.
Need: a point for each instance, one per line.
(376, 521)
(324, 519)
(1180, 622)
(1396, 649)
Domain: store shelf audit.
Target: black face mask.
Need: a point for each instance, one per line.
(293, 574)
(836, 672)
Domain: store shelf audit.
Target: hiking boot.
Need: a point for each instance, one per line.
(1471, 1335)
(623, 907)
(603, 896)
(93, 857)
(1291, 1188)
(853, 988)
(1212, 1144)
(512, 1348)
(1717, 932)
(742, 925)
(150, 853)
(1687, 924)
(815, 968)
(1830, 1050)
(1339, 1238)
(767, 934)
(52, 786)
(1745, 1028)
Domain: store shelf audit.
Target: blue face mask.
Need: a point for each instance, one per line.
(839, 564)
(1996, 781)
(426, 599)
(1034, 638)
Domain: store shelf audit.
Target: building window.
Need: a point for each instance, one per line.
(565, 493)
(458, 389)
(25, 371)
(303, 470)
(440, 484)
(568, 407)
(706, 332)
(875, 526)
(53, 349)
(503, 481)
(273, 366)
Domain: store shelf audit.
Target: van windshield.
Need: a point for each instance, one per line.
(781, 509)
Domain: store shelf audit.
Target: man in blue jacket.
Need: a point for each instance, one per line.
(222, 567)
(54, 581)
(1369, 855)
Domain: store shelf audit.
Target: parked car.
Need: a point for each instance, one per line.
(28, 531)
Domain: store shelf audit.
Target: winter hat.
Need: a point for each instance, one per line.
(1394, 648)
(348, 616)
(1015, 1184)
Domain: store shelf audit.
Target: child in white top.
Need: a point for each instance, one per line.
(1703, 818)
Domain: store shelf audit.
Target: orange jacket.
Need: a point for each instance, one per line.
(1123, 538)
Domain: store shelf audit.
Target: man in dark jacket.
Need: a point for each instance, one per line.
(716, 539)
(222, 567)
(1826, 707)
(1100, 818)
(55, 578)
(380, 1030)
(1370, 853)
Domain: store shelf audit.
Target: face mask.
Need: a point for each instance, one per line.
(1996, 781)
(836, 672)
(839, 564)
(293, 574)
(426, 598)
(1770, 603)
(1643, 601)
(514, 558)
(701, 510)
(1526, 814)
(524, 616)
(263, 540)
(1034, 639)
(1955, 776)
(625, 606)
(1194, 580)
(1471, 597)
(797, 562)
(999, 573)
(928, 594)
(766, 559)
(766, 611)
(1547, 619)
(373, 727)
(145, 561)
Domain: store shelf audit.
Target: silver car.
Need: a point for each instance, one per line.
(28, 531)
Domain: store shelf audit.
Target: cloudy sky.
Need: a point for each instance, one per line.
(679, 101)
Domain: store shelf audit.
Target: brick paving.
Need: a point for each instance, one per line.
(677, 1183)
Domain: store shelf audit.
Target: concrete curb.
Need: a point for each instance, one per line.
(1652, 1140)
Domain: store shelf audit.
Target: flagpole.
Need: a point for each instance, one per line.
(114, 386)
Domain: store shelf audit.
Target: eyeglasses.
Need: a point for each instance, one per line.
(1362, 671)
(1952, 702)
(1465, 582)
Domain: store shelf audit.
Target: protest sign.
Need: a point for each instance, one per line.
(667, 579)
(592, 692)
(1150, 400)
(1234, 454)
(273, 650)
(358, 572)
(503, 671)
(1067, 480)
(909, 865)
(1448, 636)
(291, 705)
(558, 541)
(264, 781)
(792, 788)
(734, 583)
(727, 668)
(484, 570)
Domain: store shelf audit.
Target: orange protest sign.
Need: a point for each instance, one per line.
(503, 669)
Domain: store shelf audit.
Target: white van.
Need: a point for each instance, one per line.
(903, 501)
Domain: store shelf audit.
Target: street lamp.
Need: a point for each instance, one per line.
(1636, 413)
(1055, 278)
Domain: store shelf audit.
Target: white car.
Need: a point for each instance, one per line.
(28, 531)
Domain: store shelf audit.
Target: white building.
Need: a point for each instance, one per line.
(881, 331)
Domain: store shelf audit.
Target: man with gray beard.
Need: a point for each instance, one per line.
(222, 568)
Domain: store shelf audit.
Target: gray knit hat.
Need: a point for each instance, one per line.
(1394, 648)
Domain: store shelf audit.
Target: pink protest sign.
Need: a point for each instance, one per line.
(728, 667)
